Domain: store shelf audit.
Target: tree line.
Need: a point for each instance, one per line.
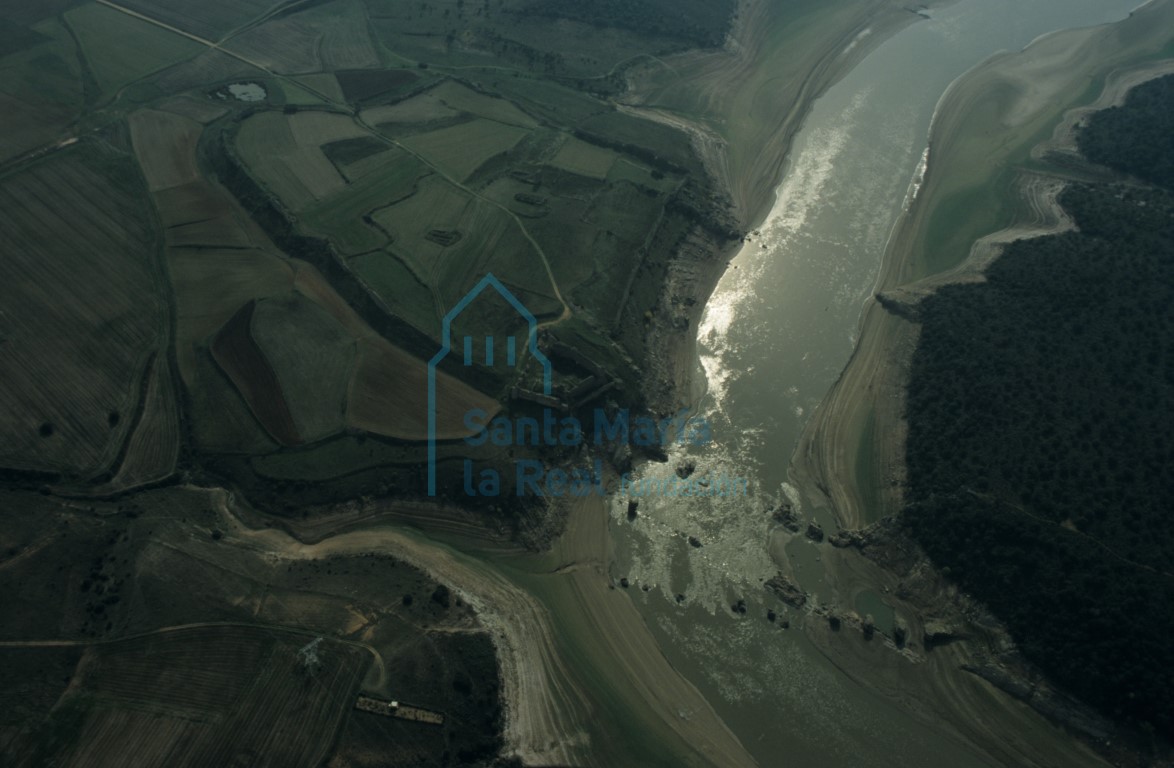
(1041, 433)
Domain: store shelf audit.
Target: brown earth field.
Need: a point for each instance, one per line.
(242, 360)
(153, 447)
(83, 310)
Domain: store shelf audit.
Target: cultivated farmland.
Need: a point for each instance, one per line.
(625, 169)
(584, 159)
(389, 276)
(121, 49)
(346, 40)
(238, 291)
(285, 45)
(221, 678)
(379, 159)
(418, 109)
(362, 85)
(165, 145)
(402, 151)
(210, 66)
(486, 239)
(237, 354)
(326, 36)
(464, 99)
(209, 19)
(313, 129)
(341, 218)
(312, 356)
(81, 311)
(461, 149)
(41, 90)
(324, 83)
(284, 151)
(31, 682)
(387, 380)
(153, 448)
(194, 108)
(206, 695)
(212, 285)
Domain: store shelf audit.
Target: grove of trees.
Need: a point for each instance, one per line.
(1041, 429)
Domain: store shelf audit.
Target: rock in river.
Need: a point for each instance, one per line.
(786, 590)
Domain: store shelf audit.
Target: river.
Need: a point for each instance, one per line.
(776, 333)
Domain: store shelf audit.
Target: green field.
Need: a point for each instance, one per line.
(554, 102)
(667, 144)
(312, 356)
(347, 152)
(461, 149)
(301, 95)
(41, 91)
(321, 37)
(514, 35)
(210, 19)
(584, 159)
(153, 448)
(490, 240)
(462, 99)
(340, 218)
(285, 153)
(121, 49)
(379, 158)
(421, 108)
(627, 170)
(388, 276)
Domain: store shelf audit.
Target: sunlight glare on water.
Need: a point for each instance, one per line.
(777, 332)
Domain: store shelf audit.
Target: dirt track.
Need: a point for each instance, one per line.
(547, 701)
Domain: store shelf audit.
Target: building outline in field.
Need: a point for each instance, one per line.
(512, 354)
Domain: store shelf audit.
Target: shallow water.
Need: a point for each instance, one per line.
(775, 335)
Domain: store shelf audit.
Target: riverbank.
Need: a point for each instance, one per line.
(585, 681)
(742, 106)
(995, 158)
(1001, 150)
(730, 102)
(570, 677)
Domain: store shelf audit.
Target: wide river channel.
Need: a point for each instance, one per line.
(780, 327)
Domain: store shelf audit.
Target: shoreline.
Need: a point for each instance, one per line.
(697, 267)
(871, 386)
(862, 417)
(549, 704)
(583, 677)
(583, 552)
(577, 578)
